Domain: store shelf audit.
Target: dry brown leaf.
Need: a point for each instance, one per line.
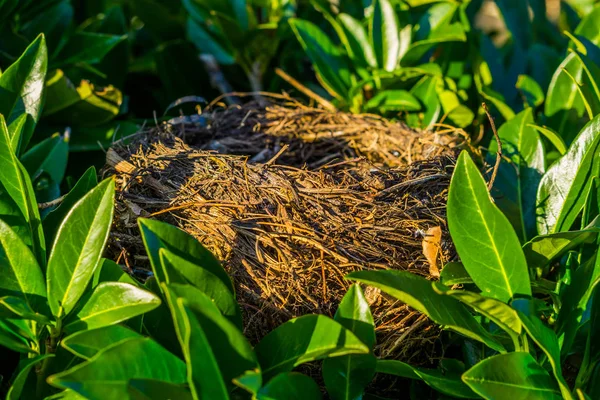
(431, 248)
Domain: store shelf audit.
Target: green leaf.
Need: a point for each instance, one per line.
(553, 137)
(14, 393)
(50, 156)
(591, 358)
(22, 88)
(305, 339)
(111, 303)
(110, 271)
(53, 220)
(517, 180)
(179, 270)
(530, 90)
(86, 344)
(511, 376)
(564, 187)
(86, 47)
(13, 335)
(292, 386)
(53, 22)
(485, 241)
(356, 41)
(15, 183)
(454, 273)
(20, 274)
(499, 313)
(418, 293)
(425, 90)
(78, 248)
(208, 43)
(157, 235)
(546, 340)
(446, 383)
(542, 250)
(383, 32)
(330, 64)
(588, 27)
(393, 100)
(346, 377)
(152, 389)
(18, 308)
(107, 374)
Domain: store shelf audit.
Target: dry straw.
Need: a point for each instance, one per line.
(291, 199)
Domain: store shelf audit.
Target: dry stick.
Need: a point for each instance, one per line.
(499, 152)
(50, 204)
(306, 91)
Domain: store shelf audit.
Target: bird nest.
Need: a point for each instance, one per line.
(291, 199)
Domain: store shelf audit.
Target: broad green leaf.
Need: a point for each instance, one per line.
(86, 344)
(206, 42)
(356, 41)
(346, 377)
(53, 220)
(454, 273)
(446, 383)
(542, 250)
(20, 274)
(330, 64)
(291, 386)
(179, 270)
(517, 180)
(425, 90)
(78, 248)
(15, 183)
(251, 381)
(516, 16)
(53, 21)
(110, 271)
(152, 389)
(107, 374)
(18, 308)
(103, 136)
(530, 90)
(384, 34)
(84, 105)
(393, 101)
(562, 191)
(14, 335)
(588, 27)
(485, 241)
(499, 313)
(157, 235)
(546, 340)
(418, 293)
(50, 156)
(591, 358)
(86, 47)
(66, 395)
(111, 303)
(553, 137)
(15, 130)
(22, 88)
(14, 393)
(511, 376)
(305, 339)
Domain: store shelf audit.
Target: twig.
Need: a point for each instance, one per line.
(50, 204)
(306, 91)
(499, 152)
(279, 153)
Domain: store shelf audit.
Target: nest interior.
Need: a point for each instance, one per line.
(291, 199)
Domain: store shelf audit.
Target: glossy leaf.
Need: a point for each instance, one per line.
(107, 374)
(109, 271)
(305, 339)
(53, 220)
(485, 241)
(14, 393)
(591, 358)
(418, 293)
(511, 376)
(425, 90)
(292, 386)
(356, 41)
(588, 27)
(454, 273)
(179, 270)
(517, 181)
(347, 376)
(20, 274)
(15, 183)
(208, 43)
(546, 340)
(86, 344)
(86, 47)
(530, 90)
(553, 137)
(78, 248)
(393, 101)
(329, 63)
(384, 34)
(157, 235)
(446, 383)
(563, 188)
(153, 389)
(111, 303)
(542, 250)
(499, 313)
(18, 308)
(22, 88)
(14, 335)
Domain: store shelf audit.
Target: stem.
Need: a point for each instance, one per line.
(51, 343)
